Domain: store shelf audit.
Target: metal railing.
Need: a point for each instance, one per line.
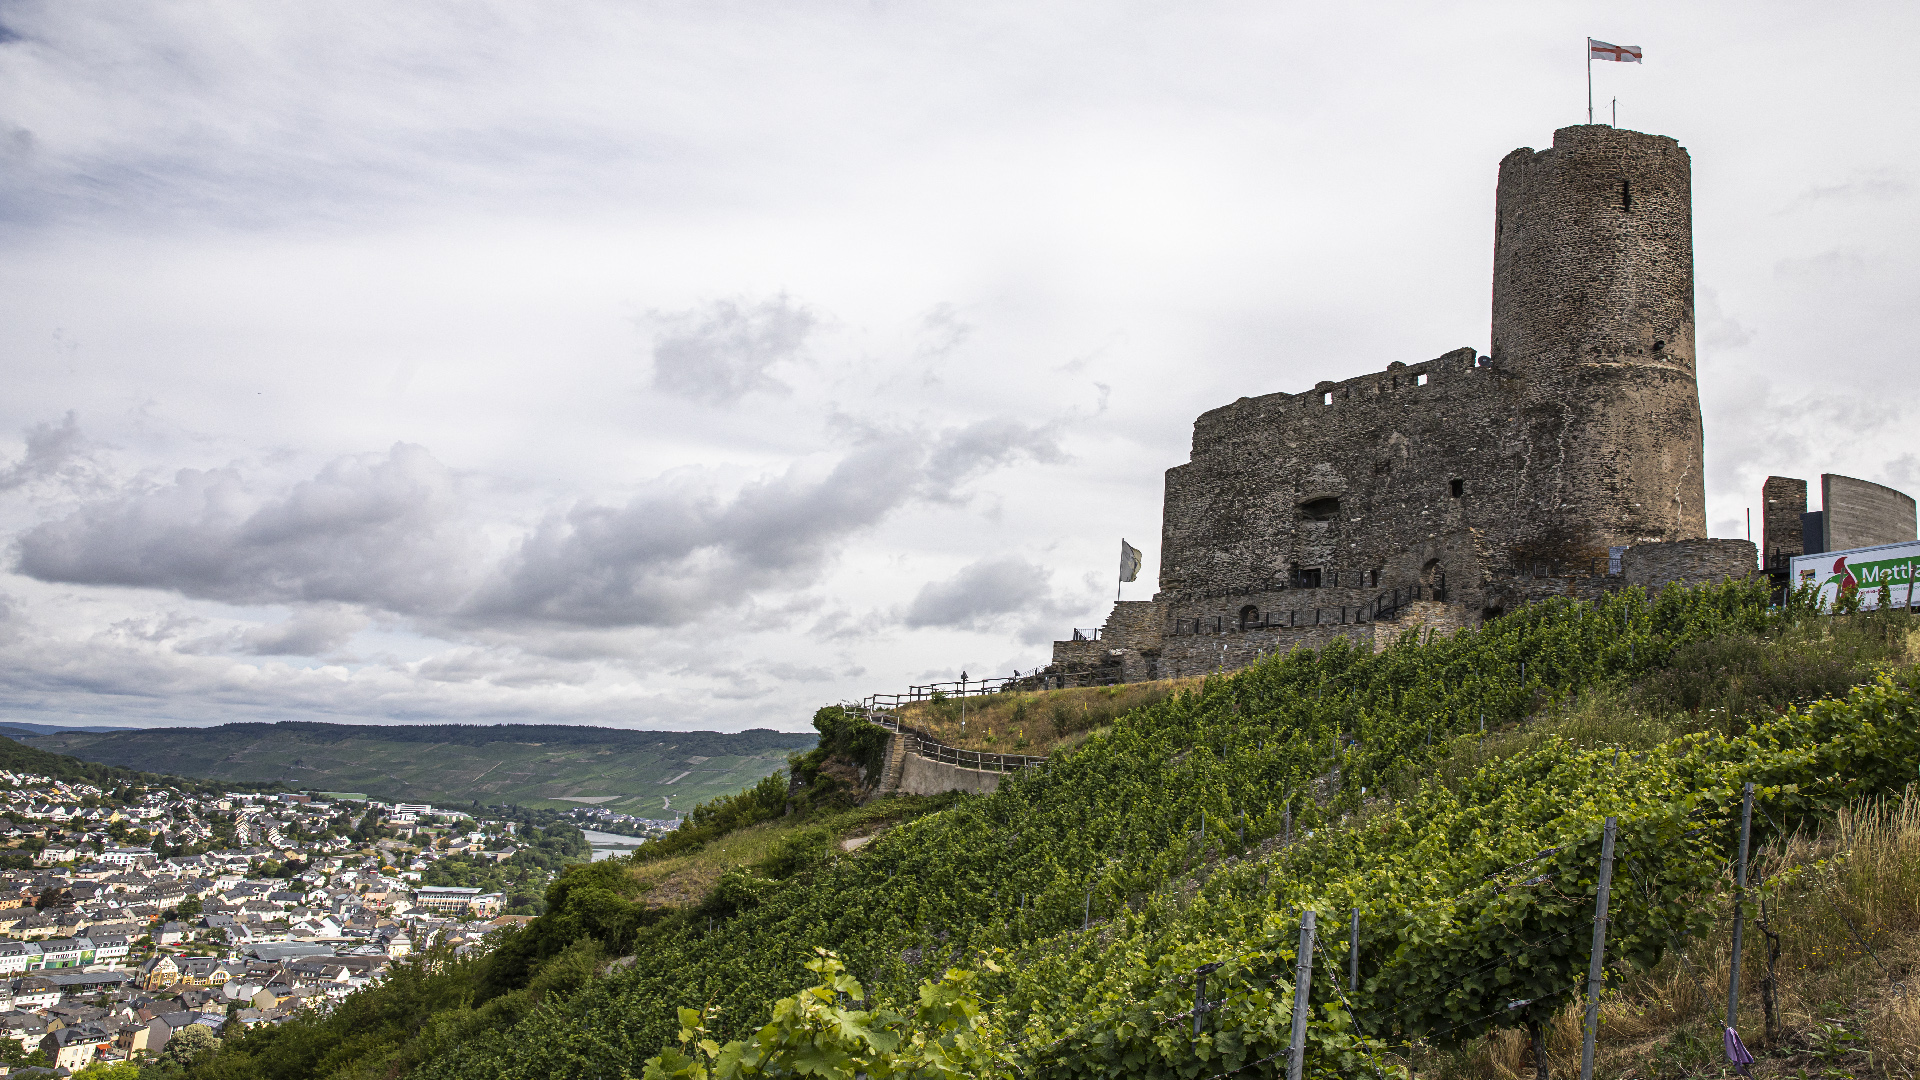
(924, 744)
(938, 691)
(1086, 635)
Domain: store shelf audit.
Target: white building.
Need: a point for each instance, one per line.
(125, 856)
(18, 956)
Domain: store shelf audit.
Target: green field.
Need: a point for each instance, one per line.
(550, 766)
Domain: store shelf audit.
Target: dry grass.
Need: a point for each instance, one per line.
(685, 879)
(1845, 903)
(1034, 723)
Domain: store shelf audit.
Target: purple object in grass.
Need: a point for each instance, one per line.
(1737, 1052)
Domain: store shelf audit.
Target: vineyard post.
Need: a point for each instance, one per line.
(1739, 894)
(1596, 965)
(1302, 987)
(1353, 954)
(1200, 1006)
(1087, 922)
(1286, 824)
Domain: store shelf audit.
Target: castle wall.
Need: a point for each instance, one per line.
(1203, 654)
(1425, 618)
(1246, 513)
(1688, 562)
(1862, 514)
(1783, 500)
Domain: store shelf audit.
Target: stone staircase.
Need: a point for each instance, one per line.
(895, 764)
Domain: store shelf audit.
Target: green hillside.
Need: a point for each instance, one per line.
(1454, 793)
(18, 757)
(550, 766)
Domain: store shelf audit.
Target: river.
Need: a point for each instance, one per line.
(606, 845)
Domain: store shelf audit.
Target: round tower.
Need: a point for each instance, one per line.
(1593, 325)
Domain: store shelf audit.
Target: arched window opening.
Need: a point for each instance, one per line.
(1249, 616)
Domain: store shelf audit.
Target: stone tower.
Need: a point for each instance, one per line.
(1593, 323)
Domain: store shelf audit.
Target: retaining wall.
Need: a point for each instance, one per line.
(920, 776)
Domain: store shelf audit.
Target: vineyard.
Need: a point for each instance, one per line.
(1439, 806)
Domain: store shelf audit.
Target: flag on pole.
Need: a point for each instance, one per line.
(1129, 561)
(1600, 50)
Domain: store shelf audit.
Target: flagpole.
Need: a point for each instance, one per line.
(1589, 82)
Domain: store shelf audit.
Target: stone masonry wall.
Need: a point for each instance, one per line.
(1425, 618)
(1688, 562)
(1593, 314)
(1203, 654)
(1783, 499)
(1355, 478)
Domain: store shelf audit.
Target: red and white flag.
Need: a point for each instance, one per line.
(1600, 50)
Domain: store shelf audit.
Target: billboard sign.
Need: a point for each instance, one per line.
(1862, 571)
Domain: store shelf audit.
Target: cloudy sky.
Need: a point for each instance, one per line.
(694, 365)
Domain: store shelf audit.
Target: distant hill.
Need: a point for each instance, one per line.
(15, 728)
(16, 756)
(547, 765)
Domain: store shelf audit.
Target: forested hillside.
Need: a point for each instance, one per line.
(544, 765)
(1451, 792)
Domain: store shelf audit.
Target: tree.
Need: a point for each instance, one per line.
(13, 1054)
(189, 1043)
(189, 906)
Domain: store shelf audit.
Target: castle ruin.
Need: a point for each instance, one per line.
(1442, 493)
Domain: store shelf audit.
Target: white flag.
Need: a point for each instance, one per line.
(1600, 50)
(1129, 561)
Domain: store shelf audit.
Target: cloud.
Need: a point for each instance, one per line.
(390, 532)
(1834, 267)
(58, 453)
(312, 632)
(981, 595)
(676, 552)
(1879, 185)
(508, 670)
(721, 352)
(373, 529)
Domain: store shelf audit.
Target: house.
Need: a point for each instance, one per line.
(166, 1025)
(445, 899)
(18, 956)
(203, 970)
(66, 952)
(159, 973)
(133, 1037)
(172, 933)
(116, 855)
(35, 992)
(23, 1027)
(73, 1047)
(110, 948)
(318, 972)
